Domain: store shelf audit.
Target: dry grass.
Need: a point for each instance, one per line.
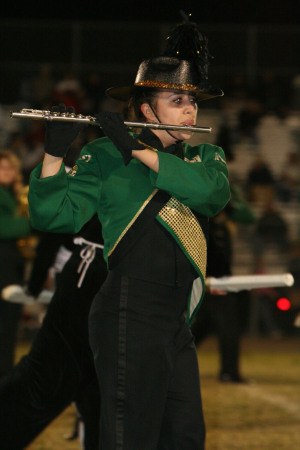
(263, 414)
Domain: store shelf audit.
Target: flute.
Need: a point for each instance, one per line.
(37, 114)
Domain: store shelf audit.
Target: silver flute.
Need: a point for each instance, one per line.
(37, 114)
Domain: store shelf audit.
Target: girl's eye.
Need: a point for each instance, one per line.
(179, 100)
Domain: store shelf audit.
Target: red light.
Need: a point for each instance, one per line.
(283, 304)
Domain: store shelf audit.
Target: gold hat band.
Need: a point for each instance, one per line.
(163, 85)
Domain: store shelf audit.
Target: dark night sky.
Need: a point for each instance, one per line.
(209, 11)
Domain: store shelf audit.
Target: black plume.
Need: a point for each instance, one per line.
(187, 42)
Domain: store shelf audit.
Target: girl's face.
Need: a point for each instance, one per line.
(7, 172)
(174, 108)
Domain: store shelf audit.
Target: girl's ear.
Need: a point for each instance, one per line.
(147, 111)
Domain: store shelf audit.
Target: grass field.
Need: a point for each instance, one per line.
(262, 414)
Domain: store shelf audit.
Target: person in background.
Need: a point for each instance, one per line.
(288, 186)
(59, 368)
(222, 314)
(260, 182)
(14, 225)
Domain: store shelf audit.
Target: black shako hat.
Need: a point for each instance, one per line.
(183, 67)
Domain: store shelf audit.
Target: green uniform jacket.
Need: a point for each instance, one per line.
(100, 182)
(12, 225)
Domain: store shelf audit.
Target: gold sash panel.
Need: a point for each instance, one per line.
(186, 227)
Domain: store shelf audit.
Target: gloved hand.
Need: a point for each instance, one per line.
(112, 124)
(60, 135)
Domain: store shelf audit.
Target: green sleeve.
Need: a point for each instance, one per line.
(64, 202)
(201, 184)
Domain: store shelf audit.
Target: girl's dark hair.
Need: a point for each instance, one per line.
(133, 111)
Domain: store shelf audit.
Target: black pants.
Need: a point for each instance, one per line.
(59, 368)
(10, 315)
(11, 272)
(221, 315)
(147, 367)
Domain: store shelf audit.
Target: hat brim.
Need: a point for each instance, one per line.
(124, 93)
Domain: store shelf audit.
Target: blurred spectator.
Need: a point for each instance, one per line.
(224, 138)
(260, 182)
(34, 139)
(25, 90)
(294, 269)
(273, 94)
(263, 314)
(271, 229)
(238, 88)
(296, 92)
(94, 94)
(289, 181)
(28, 147)
(14, 224)
(222, 314)
(18, 146)
(42, 87)
(69, 91)
(248, 119)
(294, 263)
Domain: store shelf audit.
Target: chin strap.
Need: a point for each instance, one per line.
(177, 141)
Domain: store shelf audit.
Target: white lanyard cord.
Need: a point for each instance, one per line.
(87, 255)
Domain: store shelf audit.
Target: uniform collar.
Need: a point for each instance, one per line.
(149, 138)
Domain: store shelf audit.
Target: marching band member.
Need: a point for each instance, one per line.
(59, 368)
(153, 194)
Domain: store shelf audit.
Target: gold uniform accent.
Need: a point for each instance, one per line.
(73, 171)
(195, 159)
(147, 146)
(163, 85)
(85, 158)
(186, 227)
(219, 158)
